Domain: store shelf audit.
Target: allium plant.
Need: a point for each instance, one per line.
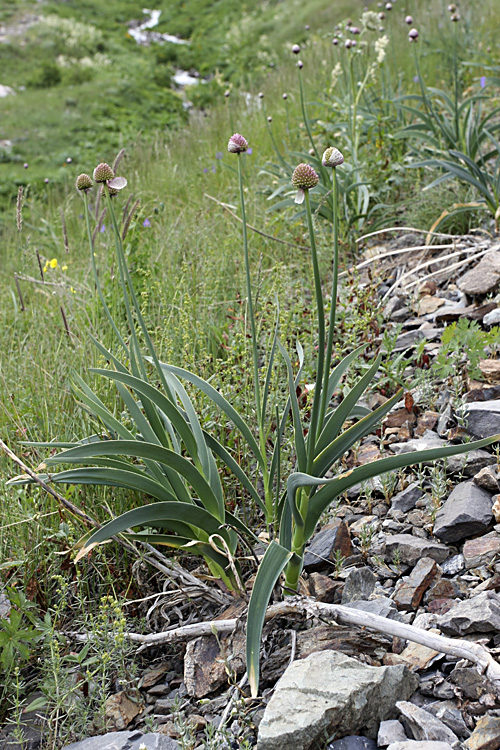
(171, 459)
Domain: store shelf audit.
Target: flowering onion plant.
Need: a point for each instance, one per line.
(171, 459)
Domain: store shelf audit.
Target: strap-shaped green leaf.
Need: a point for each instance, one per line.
(336, 486)
(339, 371)
(300, 445)
(342, 411)
(223, 403)
(270, 568)
(235, 468)
(346, 439)
(158, 513)
(160, 400)
(110, 477)
(151, 452)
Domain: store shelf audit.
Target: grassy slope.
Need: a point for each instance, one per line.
(188, 263)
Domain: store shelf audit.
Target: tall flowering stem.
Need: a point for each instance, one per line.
(320, 360)
(331, 158)
(238, 145)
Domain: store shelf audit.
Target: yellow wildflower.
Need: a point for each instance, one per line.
(53, 263)
(64, 268)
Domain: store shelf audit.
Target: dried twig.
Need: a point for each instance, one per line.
(407, 229)
(389, 253)
(427, 263)
(473, 652)
(453, 267)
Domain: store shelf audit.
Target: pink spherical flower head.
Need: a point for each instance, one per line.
(409, 20)
(413, 35)
(304, 178)
(237, 144)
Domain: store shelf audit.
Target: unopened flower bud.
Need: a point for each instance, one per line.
(300, 64)
(285, 96)
(413, 35)
(409, 20)
(237, 144)
(452, 8)
(261, 95)
(335, 41)
(455, 17)
(332, 158)
(269, 119)
(103, 173)
(388, 6)
(83, 182)
(296, 49)
(227, 93)
(307, 27)
(355, 30)
(381, 16)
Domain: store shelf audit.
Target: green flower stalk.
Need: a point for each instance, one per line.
(332, 158)
(237, 145)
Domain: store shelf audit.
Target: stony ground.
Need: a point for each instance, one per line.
(423, 549)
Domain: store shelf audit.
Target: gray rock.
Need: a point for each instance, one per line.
(469, 463)
(487, 478)
(411, 338)
(5, 606)
(430, 439)
(360, 584)
(320, 553)
(484, 277)
(353, 742)
(411, 549)
(483, 418)
(406, 499)
(380, 606)
(450, 715)
(492, 318)
(390, 731)
(424, 725)
(125, 741)
(466, 512)
(453, 565)
(481, 614)
(328, 692)
(419, 745)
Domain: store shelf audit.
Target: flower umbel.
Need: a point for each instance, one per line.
(83, 182)
(332, 157)
(103, 173)
(304, 178)
(237, 144)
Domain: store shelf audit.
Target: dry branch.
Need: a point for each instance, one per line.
(472, 652)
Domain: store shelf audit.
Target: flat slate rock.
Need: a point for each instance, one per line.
(125, 741)
(406, 499)
(466, 512)
(424, 725)
(411, 548)
(483, 418)
(360, 584)
(480, 614)
(330, 693)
